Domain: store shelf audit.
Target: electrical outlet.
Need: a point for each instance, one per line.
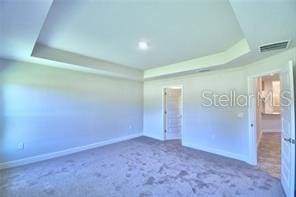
(21, 146)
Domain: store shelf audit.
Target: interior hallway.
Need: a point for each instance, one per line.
(139, 167)
(269, 153)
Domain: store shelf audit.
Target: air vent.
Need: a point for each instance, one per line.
(274, 46)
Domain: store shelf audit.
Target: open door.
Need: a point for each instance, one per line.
(254, 119)
(288, 130)
(172, 113)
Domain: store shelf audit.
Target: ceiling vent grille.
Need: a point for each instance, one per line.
(274, 46)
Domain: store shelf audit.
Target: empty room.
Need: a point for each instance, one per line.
(118, 98)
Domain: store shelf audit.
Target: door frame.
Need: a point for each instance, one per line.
(164, 108)
(253, 156)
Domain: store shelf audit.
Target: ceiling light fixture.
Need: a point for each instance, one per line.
(143, 45)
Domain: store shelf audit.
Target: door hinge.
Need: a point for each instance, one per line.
(290, 140)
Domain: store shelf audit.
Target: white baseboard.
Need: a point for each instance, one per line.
(29, 160)
(153, 136)
(217, 151)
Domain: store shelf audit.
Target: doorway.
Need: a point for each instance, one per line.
(269, 124)
(172, 112)
(286, 110)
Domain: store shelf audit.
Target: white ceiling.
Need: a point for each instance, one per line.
(20, 24)
(101, 37)
(265, 22)
(262, 22)
(109, 30)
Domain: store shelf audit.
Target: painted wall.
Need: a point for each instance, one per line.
(44, 107)
(221, 130)
(213, 129)
(51, 109)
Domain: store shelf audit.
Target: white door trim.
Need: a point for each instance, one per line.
(288, 184)
(252, 116)
(163, 108)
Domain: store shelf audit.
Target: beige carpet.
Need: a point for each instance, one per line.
(139, 167)
(269, 154)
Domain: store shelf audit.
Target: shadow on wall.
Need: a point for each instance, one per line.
(2, 124)
(2, 116)
(2, 128)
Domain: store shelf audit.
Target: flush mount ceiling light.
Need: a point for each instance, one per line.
(143, 45)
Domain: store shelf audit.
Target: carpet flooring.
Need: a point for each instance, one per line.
(139, 167)
(269, 154)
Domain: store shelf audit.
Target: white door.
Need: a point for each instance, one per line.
(288, 130)
(253, 119)
(258, 109)
(172, 113)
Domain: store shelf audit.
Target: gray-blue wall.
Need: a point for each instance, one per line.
(51, 109)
